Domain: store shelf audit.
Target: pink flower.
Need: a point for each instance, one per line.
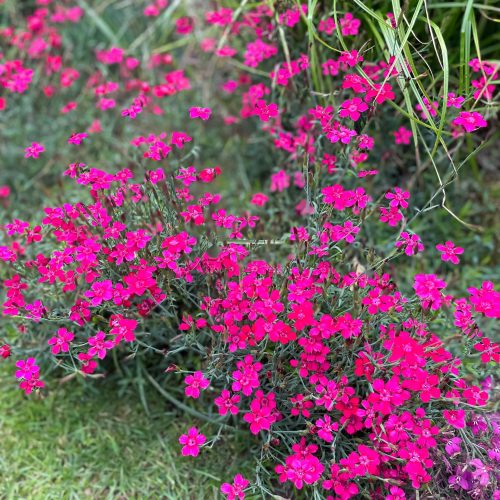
(486, 299)
(339, 133)
(17, 226)
(454, 100)
(99, 345)
(428, 287)
(402, 135)
(482, 472)
(490, 350)
(246, 378)
(156, 176)
(398, 198)
(449, 252)
(365, 461)
(88, 364)
(326, 428)
(62, 341)
(453, 445)
(259, 199)
(302, 315)
(456, 418)
(227, 403)
(192, 442)
(5, 351)
(202, 113)
(470, 121)
(391, 216)
(327, 26)
(353, 108)
(475, 396)
(4, 191)
(300, 470)
(29, 385)
(349, 25)
(350, 58)
(235, 490)
(292, 16)
(100, 291)
(28, 369)
(77, 138)
(195, 383)
(34, 150)
(426, 384)
(346, 232)
(280, 181)
(387, 395)
(395, 493)
(349, 326)
(184, 25)
(431, 108)
(122, 328)
(410, 242)
(265, 111)
(301, 406)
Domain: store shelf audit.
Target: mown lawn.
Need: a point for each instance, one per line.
(100, 443)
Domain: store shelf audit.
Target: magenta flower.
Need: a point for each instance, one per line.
(398, 198)
(16, 227)
(431, 108)
(456, 418)
(29, 385)
(352, 108)
(449, 252)
(259, 199)
(28, 369)
(227, 403)
(265, 111)
(470, 121)
(61, 342)
(428, 287)
(235, 491)
(365, 461)
(99, 345)
(34, 150)
(78, 138)
(486, 299)
(194, 384)
(326, 428)
(300, 470)
(192, 442)
(410, 243)
(5, 351)
(461, 479)
(202, 113)
(349, 25)
(100, 291)
(280, 181)
(490, 350)
(402, 135)
(481, 474)
(454, 100)
(453, 446)
(391, 216)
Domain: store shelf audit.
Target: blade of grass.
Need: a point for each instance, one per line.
(99, 22)
(465, 32)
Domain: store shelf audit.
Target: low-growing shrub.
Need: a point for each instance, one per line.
(281, 311)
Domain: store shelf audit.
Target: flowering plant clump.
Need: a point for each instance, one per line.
(276, 313)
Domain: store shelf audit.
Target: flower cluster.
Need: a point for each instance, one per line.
(274, 311)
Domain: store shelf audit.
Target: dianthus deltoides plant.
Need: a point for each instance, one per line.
(280, 320)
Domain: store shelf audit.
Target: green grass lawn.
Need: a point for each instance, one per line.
(81, 443)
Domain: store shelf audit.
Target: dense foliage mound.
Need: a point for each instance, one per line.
(296, 305)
